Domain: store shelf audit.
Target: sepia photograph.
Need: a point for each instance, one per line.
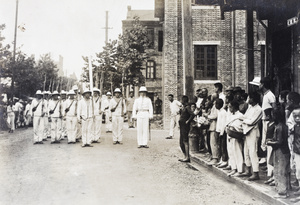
(149, 102)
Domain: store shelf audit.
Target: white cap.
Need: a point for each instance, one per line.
(143, 89)
(38, 92)
(71, 92)
(255, 81)
(48, 92)
(117, 90)
(75, 87)
(96, 90)
(86, 91)
(108, 93)
(45, 93)
(55, 92)
(62, 92)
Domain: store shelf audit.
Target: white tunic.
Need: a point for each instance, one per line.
(84, 109)
(71, 105)
(118, 111)
(39, 105)
(55, 106)
(142, 107)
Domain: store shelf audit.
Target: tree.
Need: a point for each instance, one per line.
(132, 53)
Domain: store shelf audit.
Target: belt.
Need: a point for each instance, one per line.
(143, 110)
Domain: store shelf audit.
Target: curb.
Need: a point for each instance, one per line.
(262, 191)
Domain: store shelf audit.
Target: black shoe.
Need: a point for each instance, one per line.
(53, 142)
(89, 145)
(48, 136)
(35, 142)
(169, 137)
(44, 139)
(41, 142)
(77, 140)
(83, 145)
(58, 141)
(146, 146)
(70, 142)
(140, 146)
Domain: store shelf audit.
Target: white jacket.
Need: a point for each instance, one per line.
(142, 107)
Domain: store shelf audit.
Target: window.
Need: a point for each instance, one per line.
(150, 35)
(205, 62)
(160, 40)
(150, 70)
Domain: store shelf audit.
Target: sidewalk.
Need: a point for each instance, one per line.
(257, 188)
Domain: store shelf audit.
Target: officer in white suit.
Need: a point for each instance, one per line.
(37, 110)
(142, 111)
(106, 103)
(55, 115)
(85, 117)
(70, 115)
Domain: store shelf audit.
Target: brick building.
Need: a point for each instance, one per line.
(153, 67)
(202, 47)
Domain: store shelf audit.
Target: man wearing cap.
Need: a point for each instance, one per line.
(98, 110)
(38, 111)
(55, 114)
(129, 104)
(142, 111)
(70, 115)
(106, 103)
(63, 98)
(47, 126)
(118, 109)
(85, 117)
(77, 98)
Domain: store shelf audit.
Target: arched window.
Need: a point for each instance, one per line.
(150, 69)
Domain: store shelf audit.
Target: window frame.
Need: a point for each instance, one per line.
(153, 67)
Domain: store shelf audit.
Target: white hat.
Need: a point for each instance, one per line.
(55, 93)
(71, 92)
(86, 91)
(108, 93)
(45, 93)
(48, 92)
(143, 89)
(38, 92)
(62, 92)
(75, 87)
(255, 81)
(96, 90)
(117, 90)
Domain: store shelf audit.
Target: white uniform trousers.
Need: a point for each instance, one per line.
(38, 129)
(250, 150)
(87, 131)
(46, 131)
(108, 123)
(173, 125)
(71, 124)
(63, 128)
(97, 123)
(117, 129)
(142, 130)
(55, 129)
(78, 131)
(11, 120)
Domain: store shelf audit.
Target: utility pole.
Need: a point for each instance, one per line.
(14, 54)
(106, 41)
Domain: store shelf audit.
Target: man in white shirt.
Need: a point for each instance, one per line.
(142, 111)
(70, 115)
(27, 113)
(55, 114)
(37, 110)
(106, 103)
(219, 91)
(118, 109)
(98, 110)
(78, 97)
(85, 117)
(63, 98)
(175, 107)
(47, 125)
(129, 104)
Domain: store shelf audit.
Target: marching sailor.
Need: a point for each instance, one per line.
(85, 117)
(98, 110)
(46, 123)
(77, 98)
(54, 110)
(37, 110)
(117, 108)
(63, 98)
(107, 112)
(70, 110)
(142, 111)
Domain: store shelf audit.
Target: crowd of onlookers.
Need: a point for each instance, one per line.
(242, 132)
(15, 114)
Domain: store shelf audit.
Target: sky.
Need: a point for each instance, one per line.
(71, 28)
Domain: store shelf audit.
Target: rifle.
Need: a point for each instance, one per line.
(149, 130)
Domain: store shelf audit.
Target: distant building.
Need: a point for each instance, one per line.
(153, 67)
(60, 65)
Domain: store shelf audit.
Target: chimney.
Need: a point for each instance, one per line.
(129, 8)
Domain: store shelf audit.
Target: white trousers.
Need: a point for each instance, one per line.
(235, 154)
(250, 150)
(11, 120)
(71, 124)
(297, 165)
(79, 131)
(142, 130)
(63, 128)
(108, 123)
(87, 131)
(55, 129)
(38, 129)
(117, 129)
(47, 128)
(97, 123)
(173, 124)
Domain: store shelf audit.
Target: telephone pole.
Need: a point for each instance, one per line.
(106, 41)
(14, 53)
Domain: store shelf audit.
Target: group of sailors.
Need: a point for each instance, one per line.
(78, 116)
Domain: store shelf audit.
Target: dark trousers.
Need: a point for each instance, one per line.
(223, 147)
(184, 135)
